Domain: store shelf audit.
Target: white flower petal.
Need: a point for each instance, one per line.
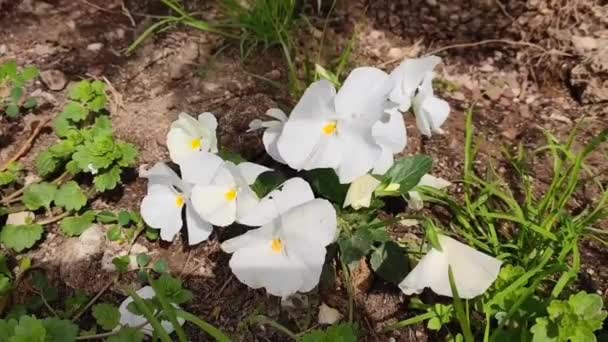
(198, 229)
(474, 272)
(327, 154)
(316, 102)
(415, 201)
(390, 131)
(431, 112)
(258, 265)
(270, 137)
(208, 126)
(292, 193)
(277, 114)
(364, 92)
(249, 238)
(131, 320)
(384, 162)
(364, 154)
(408, 76)
(435, 182)
(179, 143)
(213, 204)
(200, 167)
(251, 171)
(359, 194)
(160, 173)
(311, 256)
(314, 221)
(161, 209)
(246, 202)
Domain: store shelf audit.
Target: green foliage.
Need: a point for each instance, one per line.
(39, 195)
(15, 81)
(573, 320)
(390, 262)
(337, 333)
(87, 143)
(443, 314)
(70, 196)
(31, 329)
(406, 173)
(11, 175)
(106, 315)
(20, 237)
(326, 184)
(76, 225)
(161, 266)
(171, 288)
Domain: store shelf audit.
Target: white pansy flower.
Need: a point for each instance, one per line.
(292, 193)
(415, 200)
(389, 133)
(129, 319)
(167, 196)
(334, 130)
(359, 194)
(407, 77)
(431, 111)
(188, 135)
(227, 197)
(286, 255)
(473, 271)
(272, 132)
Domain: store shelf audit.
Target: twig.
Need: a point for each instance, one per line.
(127, 13)
(504, 10)
(46, 303)
(94, 299)
(27, 145)
(54, 219)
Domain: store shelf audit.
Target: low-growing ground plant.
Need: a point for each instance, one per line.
(13, 99)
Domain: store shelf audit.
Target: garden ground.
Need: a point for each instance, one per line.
(517, 90)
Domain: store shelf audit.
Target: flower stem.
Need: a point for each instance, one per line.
(267, 320)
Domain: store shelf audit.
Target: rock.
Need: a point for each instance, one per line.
(89, 244)
(328, 315)
(3, 49)
(584, 44)
(54, 79)
(395, 53)
(589, 79)
(493, 92)
(44, 49)
(183, 61)
(95, 47)
(560, 118)
(120, 33)
(137, 249)
(432, 3)
(45, 96)
(19, 218)
(31, 178)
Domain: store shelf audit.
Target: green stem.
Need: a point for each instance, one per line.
(159, 331)
(349, 289)
(261, 319)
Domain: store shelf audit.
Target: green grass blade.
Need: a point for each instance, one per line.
(204, 326)
(149, 315)
(169, 311)
(460, 310)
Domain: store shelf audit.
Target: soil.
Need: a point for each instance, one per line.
(516, 95)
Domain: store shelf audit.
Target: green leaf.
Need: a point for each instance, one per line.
(128, 154)
(143, 260)
(72, 167)
(337, 333)
(29, 329)
(390, 262)
(12, 111)
(443, 315)
(39, 195)
(407, 173)
(7, 329)
(359, 244)
(124, 218)
(106, 217)
(62, 126)
(231, 156)
(122, 263)
(16, 94)
(76, 225)
(70, 196)
(62, 149)
(161, 266)
(325, 183)
(268, 181)
(46, 163)
(5, 285)
(30, 103)
(152, 234)
(75, 111)
(29, 73)
(20, 237)
(60, 330)
(127, 335)
(75, 303)
(107, 180)
(7, 178)
(114, 233)
(106, 315)
(81, 91)
(171, 288)
(4, 266)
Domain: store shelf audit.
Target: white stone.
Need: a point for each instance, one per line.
(328, 315)
(20, 217)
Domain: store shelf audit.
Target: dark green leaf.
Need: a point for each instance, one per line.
(114, 233)
(161, 266)
(127, 335)
(29, 329)
(46, 163)
(231, 156)
(107, 180)
(325, 183)
(60, 330)
(268, 181)
(122, 263)
(106, 217)
(30, 103)
(16, 94)
(143, 260)
(390, 262)
(152, 234)
(337, 333)
(124, 218)
(407, 172)
(12, 111)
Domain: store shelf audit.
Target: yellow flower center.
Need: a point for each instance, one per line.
(230, 195)
(195, 144)
(330, 128)
(179, 201)
(277, 245)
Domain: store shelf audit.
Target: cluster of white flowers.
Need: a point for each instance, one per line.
(355, 131)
